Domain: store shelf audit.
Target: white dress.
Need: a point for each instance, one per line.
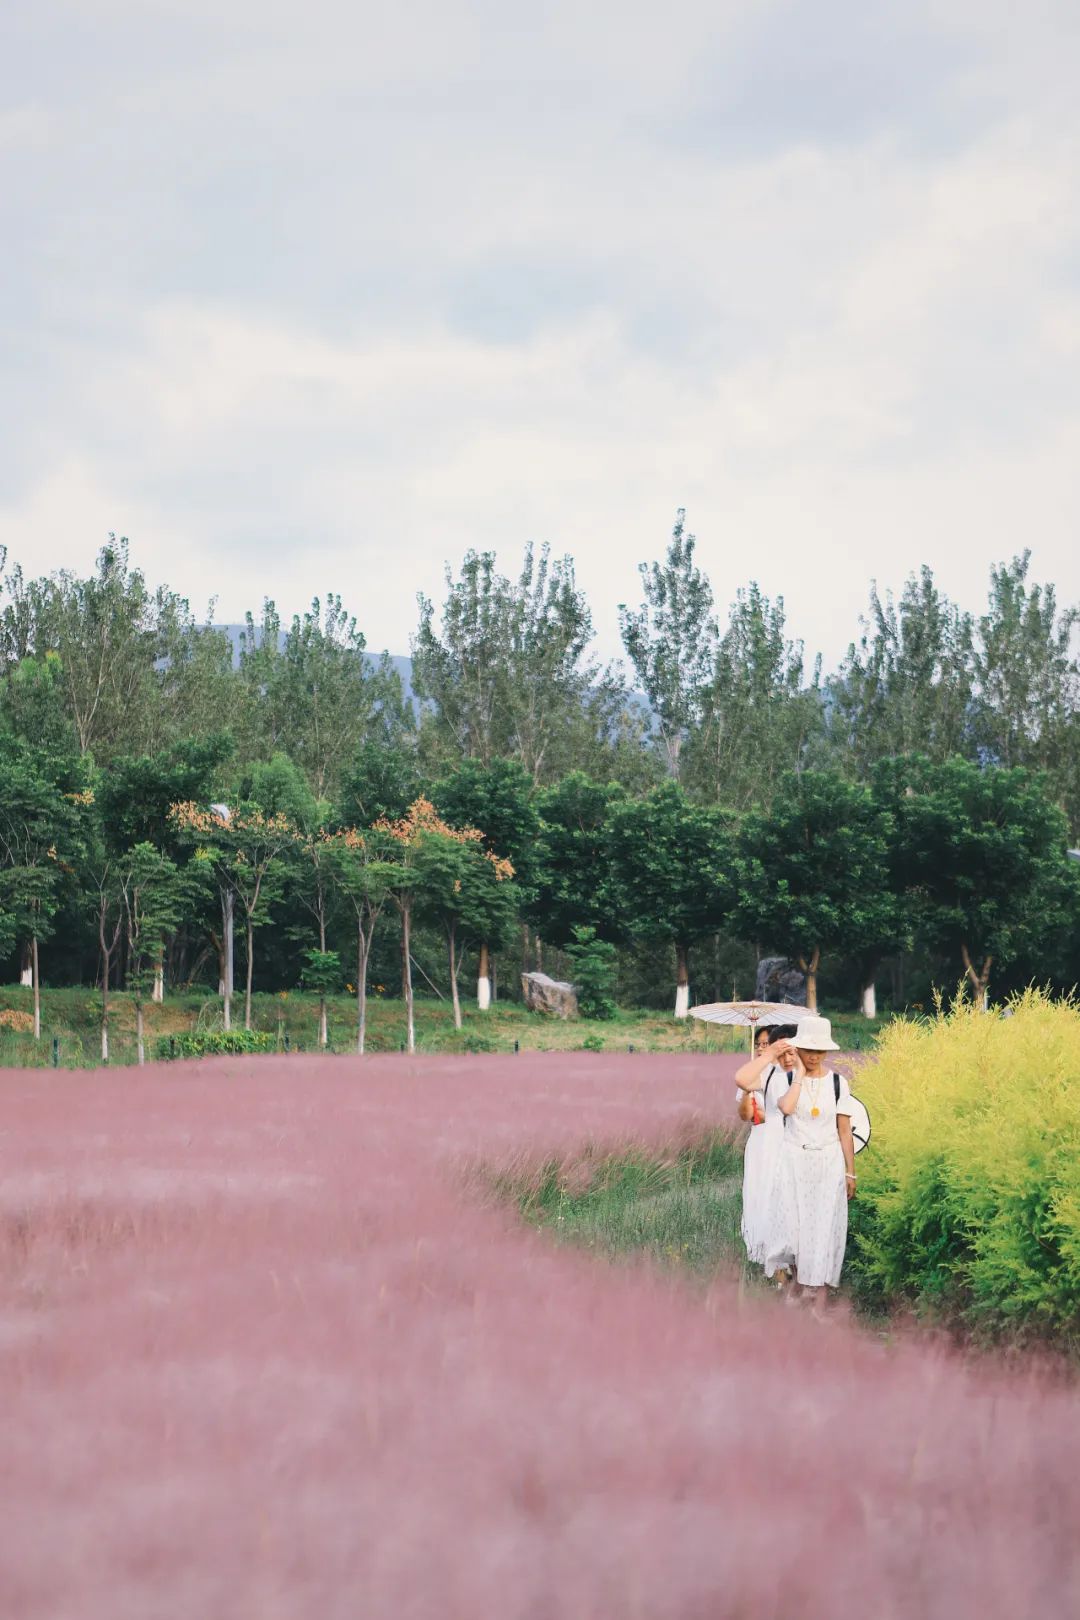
(808, 1221)
(761, 1157)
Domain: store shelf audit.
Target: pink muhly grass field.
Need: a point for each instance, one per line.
(269, 1351)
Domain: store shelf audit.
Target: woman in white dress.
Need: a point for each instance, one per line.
(815, 1177)
(762, 1082)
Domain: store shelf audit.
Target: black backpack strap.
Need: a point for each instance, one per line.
(789, 1075)
(836, 1085)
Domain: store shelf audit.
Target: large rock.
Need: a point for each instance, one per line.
(547, 995)
(780, 980)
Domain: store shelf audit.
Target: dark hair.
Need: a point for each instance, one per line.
(782, 1032)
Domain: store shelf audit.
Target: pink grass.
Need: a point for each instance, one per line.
(266, 1353)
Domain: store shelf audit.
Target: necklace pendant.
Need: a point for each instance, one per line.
(814, 1112)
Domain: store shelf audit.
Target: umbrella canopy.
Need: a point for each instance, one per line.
(751, 1014)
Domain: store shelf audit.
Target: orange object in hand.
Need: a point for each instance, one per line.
(759, 1117)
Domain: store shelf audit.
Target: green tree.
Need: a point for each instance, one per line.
(982, 853)
(40, 844)
(757, 717)
(907, 684)
(568, 881)
(315, 888)
(136, 793)
(671, 640)
(594, 962)
(1026, 709)
(499, 799)
(509, 674)
(671, 874)
(464, 890)
(813, 872)
(33, 706)
(314, 693)
(322, 974)
(381, 782)
(115, 638)
(152, 891)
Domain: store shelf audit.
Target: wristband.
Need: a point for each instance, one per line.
(849, 1177)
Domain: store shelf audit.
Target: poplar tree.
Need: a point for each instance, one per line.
(671, 640)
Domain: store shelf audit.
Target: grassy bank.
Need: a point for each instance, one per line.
(71, 1018)
(683, 1209)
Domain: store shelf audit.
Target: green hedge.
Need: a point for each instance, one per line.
(210, 1043)
(969, 1193)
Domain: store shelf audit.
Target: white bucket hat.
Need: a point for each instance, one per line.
(814, 1035)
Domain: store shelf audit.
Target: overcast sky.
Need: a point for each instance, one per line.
(310, 297)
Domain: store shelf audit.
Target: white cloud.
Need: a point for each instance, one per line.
(311, 308)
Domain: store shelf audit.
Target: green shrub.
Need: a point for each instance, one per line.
(969, 1194)
(212, 1042)
(593, 1043)
(594, 973)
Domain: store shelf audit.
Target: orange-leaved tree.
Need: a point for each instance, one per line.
(416, 841)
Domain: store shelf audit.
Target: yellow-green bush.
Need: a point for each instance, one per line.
(969, 1194)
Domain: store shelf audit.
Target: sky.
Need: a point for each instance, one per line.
(315, 297)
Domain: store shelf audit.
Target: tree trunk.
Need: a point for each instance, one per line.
(682, 980)
(105, 1007)
(159, 977)
(494, 978)
(250, 969)
(324, 1034)
(811, 970)
(26, 972)
(35, 971)
(451, 942)
(227, 964)
(980, 980)
(869, 1000)
(361, 985)
(539, 954)
(139, 1030)
(406, 950)
(483, 981)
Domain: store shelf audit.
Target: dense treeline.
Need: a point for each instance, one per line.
(899, 823)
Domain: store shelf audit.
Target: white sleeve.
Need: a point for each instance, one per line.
(843, 1102)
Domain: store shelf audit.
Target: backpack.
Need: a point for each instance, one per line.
(860, 1118)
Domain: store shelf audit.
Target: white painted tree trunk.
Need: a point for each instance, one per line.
(158, 993)
(682, 982)
(869, 1001)
(26, 976)
(483, 982)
